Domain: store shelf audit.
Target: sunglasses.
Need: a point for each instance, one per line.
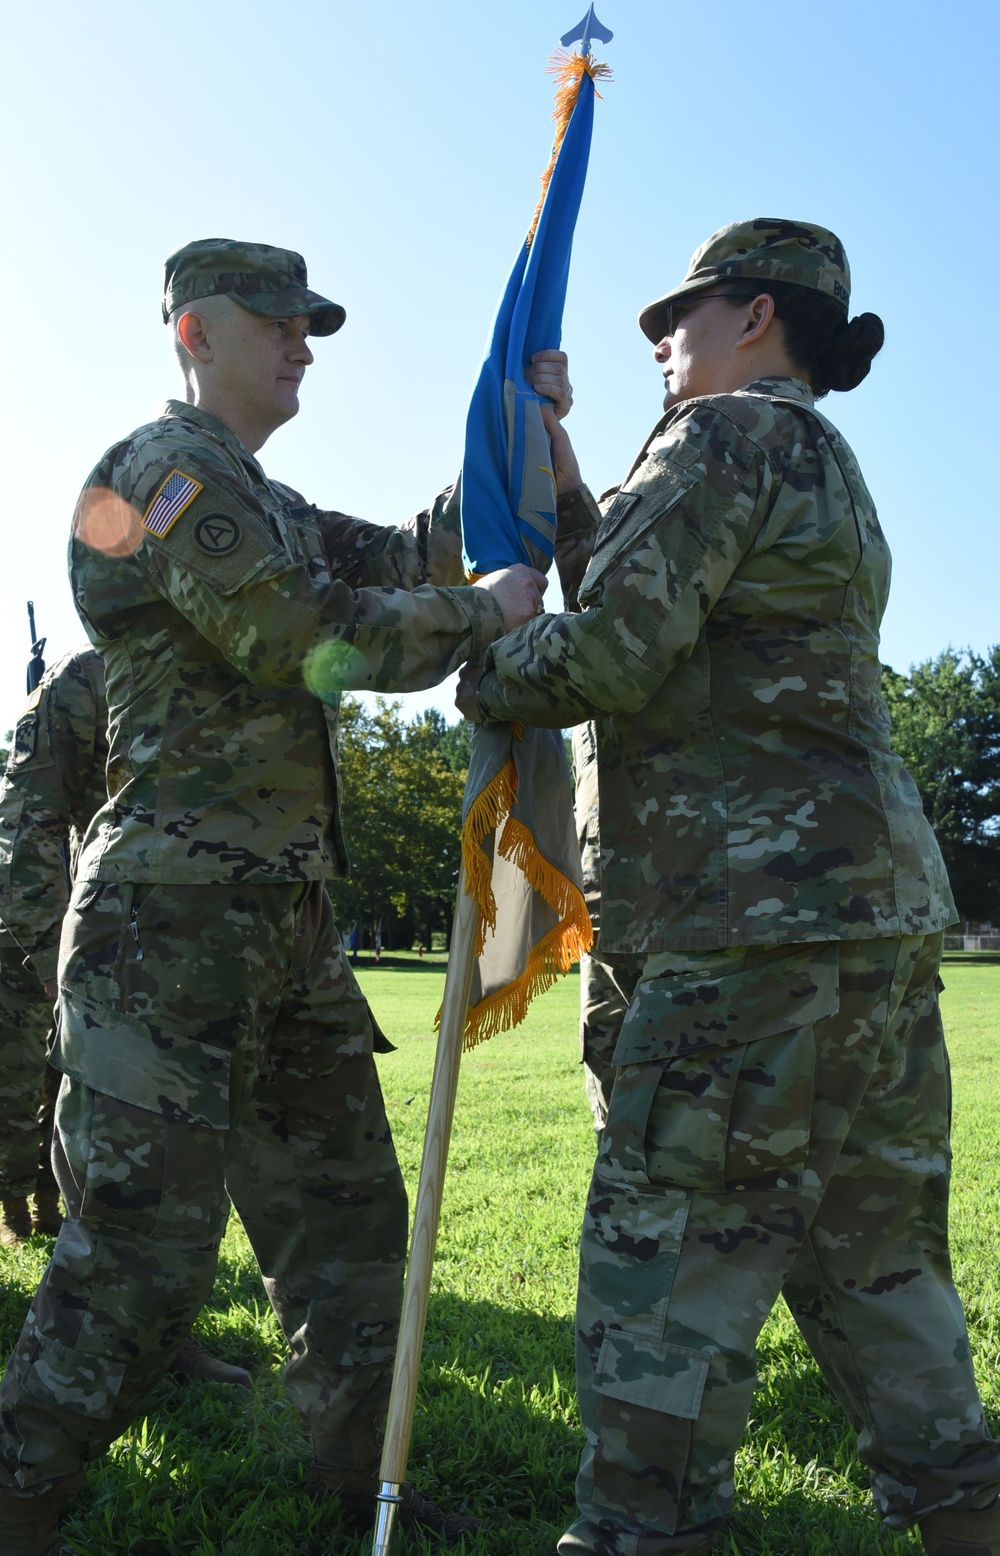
(673, 313)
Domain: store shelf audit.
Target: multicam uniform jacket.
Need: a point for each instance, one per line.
(728, 651)
(212, 594)
(54, 784)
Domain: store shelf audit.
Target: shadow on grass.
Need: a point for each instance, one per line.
(220, 1471)
(215, 1471)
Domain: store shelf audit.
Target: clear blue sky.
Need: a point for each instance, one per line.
(398, 147)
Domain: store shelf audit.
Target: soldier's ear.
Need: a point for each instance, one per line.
(757, 321)
(193, 336)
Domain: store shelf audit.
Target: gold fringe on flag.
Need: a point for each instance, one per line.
(488, 809)
(558, 950)
(569, 71)
(554, 954)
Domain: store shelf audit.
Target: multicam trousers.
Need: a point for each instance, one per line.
(213, 1039)
(605, 992)
(27, 1084)
(778, 1124)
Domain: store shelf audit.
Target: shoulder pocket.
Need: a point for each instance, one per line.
(671, 1017)
(30, 742)
(659, 485)
(615, 516)
(221, 535)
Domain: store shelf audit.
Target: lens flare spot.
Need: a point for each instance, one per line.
(107, 523)
(332, 667)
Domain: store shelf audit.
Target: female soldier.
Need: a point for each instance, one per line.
(772, 902)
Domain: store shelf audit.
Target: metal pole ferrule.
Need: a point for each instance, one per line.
(386, 1503)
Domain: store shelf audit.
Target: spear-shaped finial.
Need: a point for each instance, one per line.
(589, 28)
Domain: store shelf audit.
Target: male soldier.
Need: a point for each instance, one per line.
(771, 908)
(54, 784)
(211, 1033)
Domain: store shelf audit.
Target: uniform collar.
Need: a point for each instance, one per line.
(216, 429)
(785, 388)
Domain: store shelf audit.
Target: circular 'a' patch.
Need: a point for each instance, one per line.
(217, 533)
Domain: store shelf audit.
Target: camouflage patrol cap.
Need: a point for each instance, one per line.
(763, 249)
(266, 280)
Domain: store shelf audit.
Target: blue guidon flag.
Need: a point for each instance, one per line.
(519, 847)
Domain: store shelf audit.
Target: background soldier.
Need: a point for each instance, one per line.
(28, 1087)
(26, 1102)
(54, 784)
(773, 900)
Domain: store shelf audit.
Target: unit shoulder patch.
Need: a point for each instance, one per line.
(217, 534)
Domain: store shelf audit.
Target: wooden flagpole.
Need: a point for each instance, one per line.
(416, 1295)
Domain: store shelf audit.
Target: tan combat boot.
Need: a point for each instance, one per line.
(47, 1218)
(15, 1222)
(29, 1525)
(951, 1533)
(197, 1365)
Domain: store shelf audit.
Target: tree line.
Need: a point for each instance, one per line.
(402, 783)
(946, 726)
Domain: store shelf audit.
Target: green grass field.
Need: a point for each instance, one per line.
(216, 1472)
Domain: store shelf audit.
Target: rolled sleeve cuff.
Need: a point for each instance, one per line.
(484, 615)
(490, 700)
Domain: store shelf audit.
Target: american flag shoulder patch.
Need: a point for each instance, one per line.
(177, 493)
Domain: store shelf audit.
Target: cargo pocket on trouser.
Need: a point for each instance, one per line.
(140, 1156)
(142, 1133)
(713, 1096)
(715, 1075)
(84, 1383)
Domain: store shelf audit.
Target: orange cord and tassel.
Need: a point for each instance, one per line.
(569, 71)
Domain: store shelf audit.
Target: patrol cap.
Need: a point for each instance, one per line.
(763, 249)
(269, 281)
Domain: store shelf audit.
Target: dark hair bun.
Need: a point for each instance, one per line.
(852, 349)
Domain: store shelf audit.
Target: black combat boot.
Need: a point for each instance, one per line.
(195, 1364)
(47, 1218)
(29, 1525)
(951, 1533)
(356, 1494)
(15, 1222)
